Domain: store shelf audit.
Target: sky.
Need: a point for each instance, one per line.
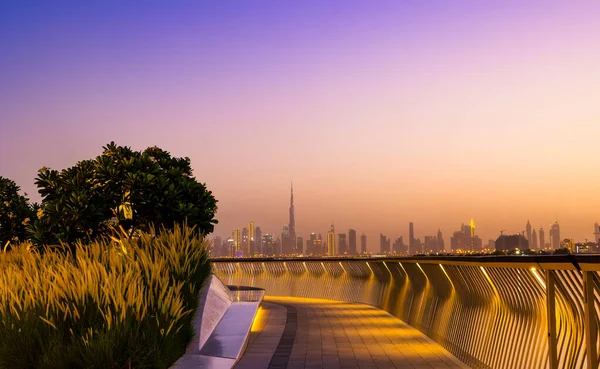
(381, 113)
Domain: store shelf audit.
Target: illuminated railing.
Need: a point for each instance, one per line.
(491, 312)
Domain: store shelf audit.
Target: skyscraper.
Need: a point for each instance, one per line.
(216, 247)
(292, 217)
(555, 235)
(258, 243)
(237, 241)
(528, 230)
(533, 244)
(398, 248)
(352, 242)
(440, 242)
(412, 249)
(299, 245)
(466, 240)
(289, 238)
(384, 244)
(542, 239)
(287, 245)
(269, 244)
(363, 243)
(251, 237)
(331, 241)
(597, 233)
(244, 242)
(342, 244)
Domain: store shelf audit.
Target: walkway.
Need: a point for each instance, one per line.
(313, 333)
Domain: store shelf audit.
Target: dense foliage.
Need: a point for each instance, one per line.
(120, 187)
(125, 303)
(15, 213)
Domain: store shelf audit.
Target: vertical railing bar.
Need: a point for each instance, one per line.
(590, 322)
(551, 312)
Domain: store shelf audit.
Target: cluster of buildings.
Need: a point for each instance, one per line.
(532, 241)
(250, 241)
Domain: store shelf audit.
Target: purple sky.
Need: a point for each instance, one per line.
(380, 112)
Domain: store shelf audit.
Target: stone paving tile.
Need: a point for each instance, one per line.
(335, 334)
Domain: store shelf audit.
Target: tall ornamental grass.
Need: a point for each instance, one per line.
(111, 304)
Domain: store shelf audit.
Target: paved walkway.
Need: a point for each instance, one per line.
(313, 333)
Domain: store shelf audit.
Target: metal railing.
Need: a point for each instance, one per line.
(516, 312)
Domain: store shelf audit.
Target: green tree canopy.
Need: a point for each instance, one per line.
(15, 212)
(120, 187)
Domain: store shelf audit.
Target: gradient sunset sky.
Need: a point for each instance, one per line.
(380, 112)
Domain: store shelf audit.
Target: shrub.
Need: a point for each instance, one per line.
(125, 187)
(15, 213)
(120, 303)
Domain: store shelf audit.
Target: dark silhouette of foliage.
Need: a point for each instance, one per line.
(15, 213)
(124, 188)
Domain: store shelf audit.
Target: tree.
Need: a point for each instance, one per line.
(120, 187)
(15, 212)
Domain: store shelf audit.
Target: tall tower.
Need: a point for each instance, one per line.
(533, 244)
(251, 238)
(555, 235)
(472, 228)
(292, 225)
(542, 239)
(597, 232)
(237, 241)
(331, 241)
(440, 242)
(411, 239)
(363, 243)
(352, 242)
(528, 229)
(258, 242)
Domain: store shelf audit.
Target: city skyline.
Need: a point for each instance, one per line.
(417, 242)
(381, 113)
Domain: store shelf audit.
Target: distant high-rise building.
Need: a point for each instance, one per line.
(511, 242)
(342, 244)
(384, 244)
(244, 243)
(299, 245)
(491, 245)
(331, 242)
(440, 240)
(430, 245)
(251, 238)
(398, 248)
(352, 242)
(217, 245)
(412, 244)
(528, 230)
(542, 239)
(268, 244)
(314, 245)
(465, 240)
(258, 243)
(555, 235)
(292, 225)
(288, 246)
(229, 248)
(533, 244)
(237, 242)
(597, 233)
(363, 243)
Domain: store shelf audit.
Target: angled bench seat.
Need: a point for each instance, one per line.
(222, 325)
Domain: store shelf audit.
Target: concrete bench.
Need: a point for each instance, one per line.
(222, 324)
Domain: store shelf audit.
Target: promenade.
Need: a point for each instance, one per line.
(298, 333)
